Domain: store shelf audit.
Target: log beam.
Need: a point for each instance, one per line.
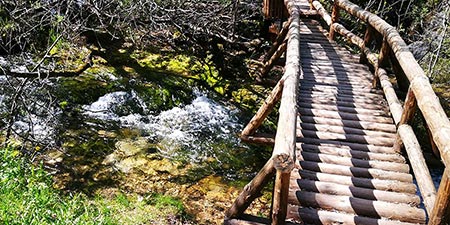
(441, 214)
(251, 191)
(264, 110)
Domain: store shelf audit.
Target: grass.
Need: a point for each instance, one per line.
(27, 197)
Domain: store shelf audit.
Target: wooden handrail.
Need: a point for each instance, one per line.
(283, 155)
(282, 160)
(427, 100)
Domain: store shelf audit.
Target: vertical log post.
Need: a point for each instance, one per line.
(383, 58)
(280, 197)
(402, 79)
(368, 38)
(441, 212)
(409, 108)
(334, 19)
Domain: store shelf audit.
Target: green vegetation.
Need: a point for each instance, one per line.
(27, 197)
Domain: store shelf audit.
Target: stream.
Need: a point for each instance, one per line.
(101, 133)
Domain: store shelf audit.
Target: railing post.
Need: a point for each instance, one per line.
(383, 58)
(441, 209)
(368, 38)
(334, 19)
(280, 197)
(409, 108)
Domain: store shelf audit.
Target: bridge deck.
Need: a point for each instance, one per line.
(347, 172)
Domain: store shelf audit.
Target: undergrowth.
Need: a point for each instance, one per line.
(27, 197)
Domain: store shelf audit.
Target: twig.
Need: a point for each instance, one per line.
(46, 53)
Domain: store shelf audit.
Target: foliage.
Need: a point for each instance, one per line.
(27, 197)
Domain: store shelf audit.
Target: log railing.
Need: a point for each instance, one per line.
(392, 48)
(282, 161)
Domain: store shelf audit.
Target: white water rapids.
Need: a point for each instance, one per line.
(190, 130)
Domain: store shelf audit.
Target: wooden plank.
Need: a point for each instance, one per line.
(349, 145)
(320, 62)
(341, 86)
(351, 191)
(324, 78)
(348, 161)
(355, 171)
(353, 110)
(362, 207)
(305, 85)
(378, 184)
(313, 86)
(344, 130)
(353, 138)
(392, 157)
(364, 97)
(350, 123)
(315, 216)
(338, 72)
(344, 116)
(357, 105)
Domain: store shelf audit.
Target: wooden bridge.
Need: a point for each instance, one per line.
(343, 138)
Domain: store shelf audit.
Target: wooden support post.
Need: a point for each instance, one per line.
(383, 58)
(264, 110)
(409, 107)
(402, 80)
(251, 191)
(383, 61)
(334, 19)
(368, 38)
(311, 5)
(433, 144)
(280, 197)
(441, 212)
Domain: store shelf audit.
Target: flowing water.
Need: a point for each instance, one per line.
(136, 139)
(189, 132)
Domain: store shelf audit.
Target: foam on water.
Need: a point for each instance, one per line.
(190, 130)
